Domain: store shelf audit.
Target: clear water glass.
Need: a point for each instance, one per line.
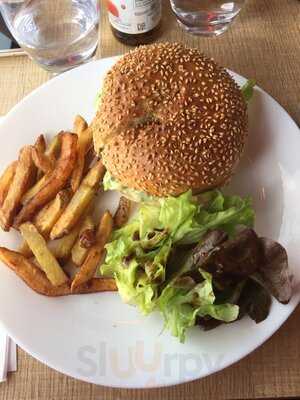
(57, 34)
(206, 17)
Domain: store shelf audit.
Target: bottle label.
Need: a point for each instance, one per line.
(134, 16)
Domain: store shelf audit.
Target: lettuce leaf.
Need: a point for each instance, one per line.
(180, 307)
(177, 215)
(221, 212)
(139, 254)
(274, 271)
(254, 301)
(97, 100)
(247, 89)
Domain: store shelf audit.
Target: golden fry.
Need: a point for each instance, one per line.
(34, 189)
(32, 275)
(79, 253)
(90, 159)
(56, 180)
(80, 124)
(43, 255)
(87, 238)
(61, 248)
(54, 147)
(24, 249)
(96, 285)
(43, 162)
(40, 144)
(6, 180)
(79, 202)
(22, 179)
(36, 279)
(85, 139)
(123, 212)
(45, 219)
(95, 254)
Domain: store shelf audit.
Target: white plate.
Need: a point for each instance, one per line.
(98, 339)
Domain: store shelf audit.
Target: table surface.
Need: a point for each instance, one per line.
(263, 43)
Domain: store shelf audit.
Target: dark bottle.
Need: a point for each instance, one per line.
(134, 22)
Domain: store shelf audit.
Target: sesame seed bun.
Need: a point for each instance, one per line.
(170, 119)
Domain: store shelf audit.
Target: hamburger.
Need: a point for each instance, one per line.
(169, 120)
(171, 123)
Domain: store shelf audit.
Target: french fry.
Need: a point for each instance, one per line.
(80, 124)
(34, 189)
(6, 180)
(79, 202)
(45, 219)
(96, 285)
(56, 180)
(43, 255)
(47, 216)
(123, 212)
(43, 162)
(61, 248)
(24, 249)
(51, 152)
(31, 274)
(95, 254)
(87, 238)
(40, 143)
(79, 253)
(36, 279)
(22, 179)
(54, 147)
(85, 139)
(90, 159)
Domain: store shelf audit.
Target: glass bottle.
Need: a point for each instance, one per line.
(134, 22)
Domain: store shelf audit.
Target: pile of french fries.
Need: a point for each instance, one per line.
(49, 196)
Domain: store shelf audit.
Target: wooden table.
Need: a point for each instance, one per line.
(264, 43)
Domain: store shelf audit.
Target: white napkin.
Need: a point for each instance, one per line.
(8, 355)
(8, 352)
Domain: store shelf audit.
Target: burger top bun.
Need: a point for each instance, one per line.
(170, 120)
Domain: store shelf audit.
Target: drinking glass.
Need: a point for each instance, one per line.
(206, 17)
(57, 34)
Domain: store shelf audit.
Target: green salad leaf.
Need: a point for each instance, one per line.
(247, 89)
(177, 215)
(220, 212)
(180, 307)
(139, 252)
(187, 257)
(97, 100)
